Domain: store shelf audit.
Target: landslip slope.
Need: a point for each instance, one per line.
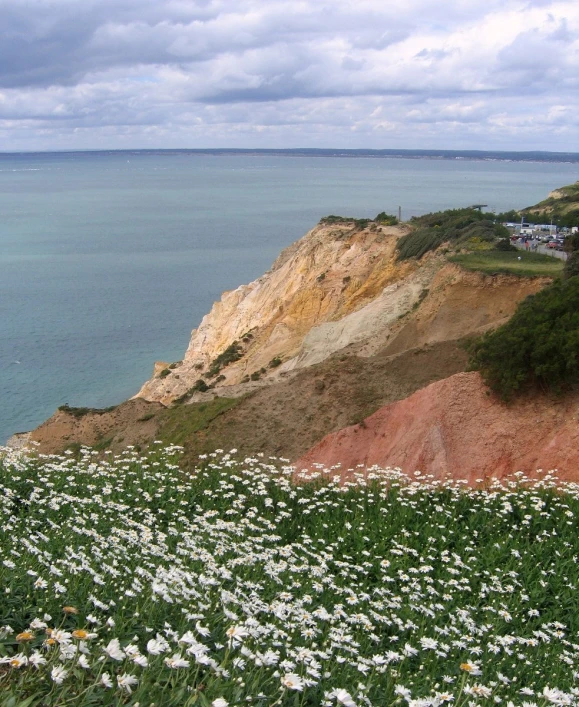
(454, 427)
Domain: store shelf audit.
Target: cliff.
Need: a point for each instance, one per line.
(456, 428)
(376, 336)
(338, 288)
(287, 318)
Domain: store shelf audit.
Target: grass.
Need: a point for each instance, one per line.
(179, 424)
(493, 262)
(128, 582)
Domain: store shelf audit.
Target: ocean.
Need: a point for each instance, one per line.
(109, 259)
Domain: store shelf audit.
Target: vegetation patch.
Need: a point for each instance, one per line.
(332, 220)
(179, 424)
(386, 219)
(517, 262)
(562, 209)
(537, 348)
(133, 583)
(81, 412)
(232, 353)
(457, 226)
(145, 418)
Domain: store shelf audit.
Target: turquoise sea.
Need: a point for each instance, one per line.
(109, 259)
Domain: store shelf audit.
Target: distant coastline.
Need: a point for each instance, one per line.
(478, 155)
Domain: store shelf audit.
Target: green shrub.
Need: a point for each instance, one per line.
(232, 353)
(199, 386)
(511, 216)
(537, 348)
(418, 243)
(455, 225)
(332, 220)
(81, 412)
(386, 219)
(275, 362)
(572, 266)
(164, 373)
(504, 244)
(572, 247)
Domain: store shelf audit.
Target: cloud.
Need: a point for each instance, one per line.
(288, 72)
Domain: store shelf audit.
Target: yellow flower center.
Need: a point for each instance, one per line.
(25, 636)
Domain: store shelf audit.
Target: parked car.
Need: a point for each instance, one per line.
(553, 244)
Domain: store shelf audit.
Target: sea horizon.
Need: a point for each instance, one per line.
(385, 153)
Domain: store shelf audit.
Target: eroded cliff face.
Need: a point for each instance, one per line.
(456, 428)
(338, 287)
(348, 328)
(329, 275)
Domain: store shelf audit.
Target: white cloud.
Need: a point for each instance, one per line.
(274, 73)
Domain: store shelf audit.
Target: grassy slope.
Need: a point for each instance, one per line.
(566, 199)
(183, 422)
(520, 263)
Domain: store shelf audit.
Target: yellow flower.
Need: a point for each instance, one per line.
(80, 633)
(24, 636)
(472, 668)
(70, 610)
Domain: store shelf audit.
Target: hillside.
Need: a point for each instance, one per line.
(561, 206)
(455, 428)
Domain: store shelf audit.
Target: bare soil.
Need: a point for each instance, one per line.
(284, 419)
(455, 427)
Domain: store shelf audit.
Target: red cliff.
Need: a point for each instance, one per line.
(454, 427)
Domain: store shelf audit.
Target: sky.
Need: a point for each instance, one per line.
(430, 74)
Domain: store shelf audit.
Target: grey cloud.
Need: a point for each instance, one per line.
(193, 70)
